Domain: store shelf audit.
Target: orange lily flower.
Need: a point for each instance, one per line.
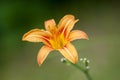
(56, 37)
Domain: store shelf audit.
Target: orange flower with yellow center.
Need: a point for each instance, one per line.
(56, 37)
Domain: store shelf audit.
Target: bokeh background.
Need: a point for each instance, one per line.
(100, 19)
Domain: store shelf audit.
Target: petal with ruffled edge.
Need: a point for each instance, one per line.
(77, 34)
(43, 53)
(37, 35)
(66, 24)
(70, 53)
(50, 25)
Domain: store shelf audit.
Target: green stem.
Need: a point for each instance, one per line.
(85, 71)
(88, 75)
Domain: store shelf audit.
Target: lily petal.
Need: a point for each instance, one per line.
(77, 34)
(70, 53)
(66, 24)
(43, 53)
(50, 25)
(36, 35)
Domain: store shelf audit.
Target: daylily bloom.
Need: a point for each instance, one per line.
(57, 37)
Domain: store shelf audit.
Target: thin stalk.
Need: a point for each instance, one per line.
(85, 71)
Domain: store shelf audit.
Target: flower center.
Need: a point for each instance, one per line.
(58, 41)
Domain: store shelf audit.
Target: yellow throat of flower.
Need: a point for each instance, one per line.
(58, 41)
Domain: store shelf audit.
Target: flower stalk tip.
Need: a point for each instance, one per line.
(84, 69)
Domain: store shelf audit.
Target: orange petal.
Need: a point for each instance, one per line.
(36, 35)
(77, 34)
(66, 24)
(43, 53)
(50, 25)
(70, 53)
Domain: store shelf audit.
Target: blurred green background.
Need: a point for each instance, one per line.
(100, 19)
